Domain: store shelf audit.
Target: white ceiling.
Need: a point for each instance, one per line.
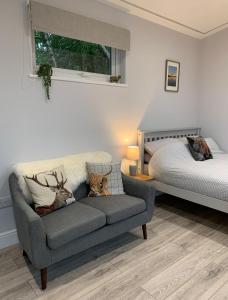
(197, 18)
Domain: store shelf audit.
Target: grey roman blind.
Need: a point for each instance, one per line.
(60, 22)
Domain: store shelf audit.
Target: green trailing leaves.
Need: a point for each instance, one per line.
(45, 72)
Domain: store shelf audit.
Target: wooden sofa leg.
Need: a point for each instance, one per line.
(43, 275)
(144, 231)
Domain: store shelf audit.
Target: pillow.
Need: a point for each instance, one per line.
(199, 148)
(152, 147)
(183, 140)
(50, 190)
(213, 146)
(104, 179)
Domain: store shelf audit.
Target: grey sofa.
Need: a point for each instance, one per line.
(81, 225)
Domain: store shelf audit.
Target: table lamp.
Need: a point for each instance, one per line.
(133, 154)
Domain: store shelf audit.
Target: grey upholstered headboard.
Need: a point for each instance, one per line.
(149, 136)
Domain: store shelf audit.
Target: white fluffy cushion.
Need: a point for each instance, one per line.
(74, 165)
(152, 147)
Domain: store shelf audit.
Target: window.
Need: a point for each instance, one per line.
(88, 59)
(77, 47)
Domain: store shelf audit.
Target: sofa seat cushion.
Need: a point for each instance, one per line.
(71, 222)
(116, 207)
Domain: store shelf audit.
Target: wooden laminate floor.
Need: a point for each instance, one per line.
(185, 257)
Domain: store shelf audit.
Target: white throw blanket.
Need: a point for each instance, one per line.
(75, 168)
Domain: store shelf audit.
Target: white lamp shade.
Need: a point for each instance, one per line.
(133, 152)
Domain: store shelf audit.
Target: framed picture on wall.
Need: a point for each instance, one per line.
(172, 75)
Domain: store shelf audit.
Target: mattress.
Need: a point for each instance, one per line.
(174, 165)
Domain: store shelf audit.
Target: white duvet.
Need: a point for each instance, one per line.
(174, 165)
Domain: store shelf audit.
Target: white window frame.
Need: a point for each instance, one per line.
(82, 76)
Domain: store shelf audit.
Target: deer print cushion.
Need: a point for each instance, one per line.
(104, 179)
(50, 190)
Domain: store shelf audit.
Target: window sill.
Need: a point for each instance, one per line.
(83, 80)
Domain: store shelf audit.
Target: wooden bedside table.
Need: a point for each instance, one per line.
(142, 177)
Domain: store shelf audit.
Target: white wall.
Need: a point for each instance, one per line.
(214, 87)
(85, 117)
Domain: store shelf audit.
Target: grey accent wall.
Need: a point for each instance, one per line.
(214, 87)
(86, 117)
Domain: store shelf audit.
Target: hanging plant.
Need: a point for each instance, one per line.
(115, 79)
(45, 72)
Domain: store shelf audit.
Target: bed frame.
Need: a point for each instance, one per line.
(149, 136)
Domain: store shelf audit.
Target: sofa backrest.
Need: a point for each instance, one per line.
(74, 165)
(82, 191)
(16, 189)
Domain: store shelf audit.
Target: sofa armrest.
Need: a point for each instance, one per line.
(30, 228)
(140, 189)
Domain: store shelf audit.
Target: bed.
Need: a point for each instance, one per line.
(175, 172)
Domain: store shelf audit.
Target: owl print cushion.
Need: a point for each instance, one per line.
(104, 179)
(50, 190)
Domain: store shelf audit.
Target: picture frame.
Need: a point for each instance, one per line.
(172, 75)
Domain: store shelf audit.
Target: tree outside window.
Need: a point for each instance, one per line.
(66, 53)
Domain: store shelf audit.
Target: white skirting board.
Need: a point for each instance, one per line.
(8, 238)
